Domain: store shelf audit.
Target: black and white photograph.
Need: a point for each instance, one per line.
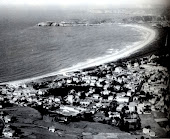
(84, 69)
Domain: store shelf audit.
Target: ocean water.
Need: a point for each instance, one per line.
(28, 51)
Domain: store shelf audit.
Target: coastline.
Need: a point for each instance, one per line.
(127, 51)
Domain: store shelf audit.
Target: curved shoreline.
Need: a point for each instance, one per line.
(127, 51)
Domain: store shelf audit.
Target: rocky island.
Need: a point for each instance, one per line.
(62, 24)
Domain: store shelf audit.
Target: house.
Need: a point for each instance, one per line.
(120, 80)
(101, 79)
(114, 114)
(128, 64)
(106, 86)
(118, 69)
(57, 100)
(69, 81)
(122, 94)
(99, 117)
(98, 105)
(110, 98)
(88, 81)
(140, 108)
(1, 98)
(119, 108)
(75, 79)
(117, 87)
(132, 123)
(122, 99)
(136, 65)
(70, 99)
(152, 134)
(85, 103)
(146, 131)
(109, 76)
(7, 119)
(105, 92)
(98, 84)
(96, 96)
(40, 92)
(94, 77)
(51, 129)
(129, 93)
(132, 106)
(8, 132)
(92, 84)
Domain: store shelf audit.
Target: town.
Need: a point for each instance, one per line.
(118, 94)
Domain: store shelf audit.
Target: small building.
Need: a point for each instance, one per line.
(7, 119)
(145, 130)
(110, 98)
(8, 132)
(85, 103)
(140, 108)
(69, 81)
(119, 108)
(129, 93)
(152, 134)
(51, 129)
(57, 100)
(40, 92)
(92, 84)
(132, 107)
(122, 99)
(119, 69)
(96, 96)
(70, 99)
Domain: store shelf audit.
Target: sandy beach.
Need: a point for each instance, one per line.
(149, 36)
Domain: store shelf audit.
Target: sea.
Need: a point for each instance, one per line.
(27, 50)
